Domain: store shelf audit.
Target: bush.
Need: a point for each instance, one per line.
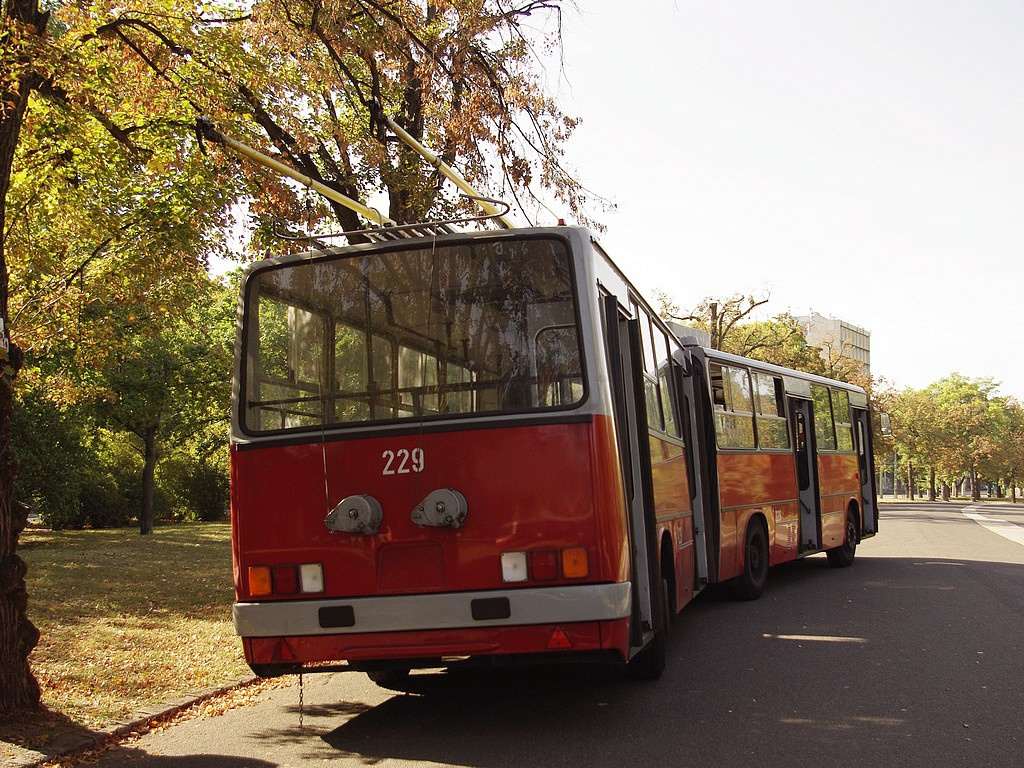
(70, 473)
(52, 449)
(196, 488)
(74, 474)
(102, 502)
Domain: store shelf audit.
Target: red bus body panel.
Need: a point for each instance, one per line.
(765, 483)
(515, 503)
(840, 484)
(673, 509)
(750, 483)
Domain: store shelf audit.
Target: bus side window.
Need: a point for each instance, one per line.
(652, 395)
(734, 417)
(824, 429)
(772, 427)
(650, 357)
(844, 428)
(717, 387)
(668, 404)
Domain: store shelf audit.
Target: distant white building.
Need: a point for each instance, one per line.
(837, 337)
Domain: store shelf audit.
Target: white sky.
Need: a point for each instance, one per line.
(861, 159)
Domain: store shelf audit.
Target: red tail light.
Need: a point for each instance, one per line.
(285, 579)
(544, 564)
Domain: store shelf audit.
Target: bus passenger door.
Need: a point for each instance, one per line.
(701, 464)
(866, 467)
(622, 338)
(801, 426)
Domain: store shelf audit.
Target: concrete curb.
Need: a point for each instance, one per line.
(70, 744)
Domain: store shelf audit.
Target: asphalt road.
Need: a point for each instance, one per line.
(912, 657)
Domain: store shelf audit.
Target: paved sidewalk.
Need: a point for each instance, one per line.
(75, 740)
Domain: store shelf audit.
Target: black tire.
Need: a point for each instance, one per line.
(750, 583)
(842, 556)
(649, 663)
(392, 679)
(275, 670)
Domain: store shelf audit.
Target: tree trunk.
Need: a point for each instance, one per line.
(19, 690)
(975, 488)
(945, 491)
(910, 480)
(148, 481)
(931, 484)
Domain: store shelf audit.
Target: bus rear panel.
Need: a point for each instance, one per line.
(416, 476)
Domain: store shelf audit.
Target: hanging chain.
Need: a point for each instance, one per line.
(302, 710)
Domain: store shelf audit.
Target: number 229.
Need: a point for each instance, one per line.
(402, 461)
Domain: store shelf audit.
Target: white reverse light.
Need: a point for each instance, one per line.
(513, 566)
(312, 575)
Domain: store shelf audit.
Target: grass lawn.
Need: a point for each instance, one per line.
(129, 620)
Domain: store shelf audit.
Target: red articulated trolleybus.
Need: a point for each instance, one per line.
(486, 446)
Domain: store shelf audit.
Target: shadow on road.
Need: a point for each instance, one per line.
(906, 659)
(130, 756)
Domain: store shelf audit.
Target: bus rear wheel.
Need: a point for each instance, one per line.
(649, 663)
(750, 583)
(842, 556)
(392, 679)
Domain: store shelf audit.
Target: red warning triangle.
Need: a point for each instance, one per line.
(283, 651)
(558, 639)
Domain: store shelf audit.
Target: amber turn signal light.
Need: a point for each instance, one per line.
(259, 581)
(574, 563)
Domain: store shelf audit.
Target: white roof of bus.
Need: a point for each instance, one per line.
(793, 379)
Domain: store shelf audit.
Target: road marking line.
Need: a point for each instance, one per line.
(1004, 528)
(816, 638)
(888, 585)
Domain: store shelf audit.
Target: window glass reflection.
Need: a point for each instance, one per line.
(481, 327)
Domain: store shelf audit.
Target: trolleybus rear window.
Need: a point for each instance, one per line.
(449, 330)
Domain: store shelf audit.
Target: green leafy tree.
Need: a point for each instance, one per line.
(921, 431)
(966, 409)
(780, 341)
(171, 380)
(1008, 455)
(54, 453)
(721, 318)
(104, 207)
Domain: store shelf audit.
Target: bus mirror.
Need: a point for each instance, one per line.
(355, 514)
(443, 508)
